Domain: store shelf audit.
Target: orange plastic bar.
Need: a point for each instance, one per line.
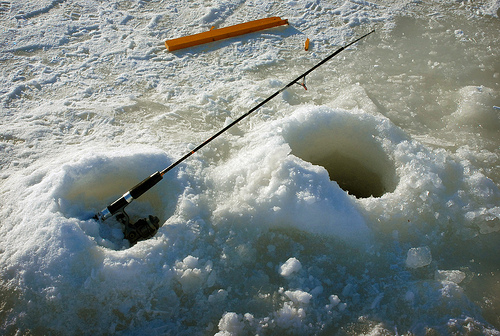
(222, 33)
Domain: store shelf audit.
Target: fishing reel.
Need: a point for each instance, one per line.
(144, 228)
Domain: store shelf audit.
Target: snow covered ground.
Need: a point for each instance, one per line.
(368, 204)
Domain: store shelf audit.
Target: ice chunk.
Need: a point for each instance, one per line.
(451, 276)
(217, 296)
(190, 262)
(298, 296)
(289, 316)
(231, 324)
(334, 300)
(418, 257)
(291, 266)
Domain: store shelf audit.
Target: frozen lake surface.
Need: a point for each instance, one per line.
(368, 204)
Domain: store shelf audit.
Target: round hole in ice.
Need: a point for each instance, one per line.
(352, 175)
(100, 190)
(348, 146)
(89, 186)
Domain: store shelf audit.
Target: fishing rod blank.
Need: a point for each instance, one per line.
(146, 228)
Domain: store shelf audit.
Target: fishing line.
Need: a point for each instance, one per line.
(147, 227)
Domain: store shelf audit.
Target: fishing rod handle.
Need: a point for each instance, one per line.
(145, 185)
(133, 193)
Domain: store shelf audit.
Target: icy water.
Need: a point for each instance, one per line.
(368, 204)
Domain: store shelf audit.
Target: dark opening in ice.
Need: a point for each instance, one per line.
(352, 175)
(348, 147)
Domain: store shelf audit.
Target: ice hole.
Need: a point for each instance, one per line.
(97, 192)
(349, 150)
(90, 187)
(352, 175)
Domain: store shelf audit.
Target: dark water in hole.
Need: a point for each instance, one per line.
(352, 176)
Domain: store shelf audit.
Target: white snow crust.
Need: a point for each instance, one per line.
(368, 204)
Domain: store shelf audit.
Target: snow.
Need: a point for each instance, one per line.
(368, 204)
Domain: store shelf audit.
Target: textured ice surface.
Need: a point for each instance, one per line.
(297, 221)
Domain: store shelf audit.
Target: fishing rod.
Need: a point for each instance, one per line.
(147, 227)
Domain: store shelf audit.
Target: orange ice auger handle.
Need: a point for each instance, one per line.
(223, 33)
